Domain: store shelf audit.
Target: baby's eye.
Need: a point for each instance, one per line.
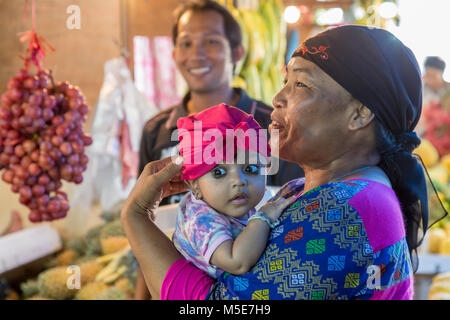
(218, 172)
(252, 169)
(300, 84)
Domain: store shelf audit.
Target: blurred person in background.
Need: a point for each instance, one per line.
(434, 85)
(434, 88)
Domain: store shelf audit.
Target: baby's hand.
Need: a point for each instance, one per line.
(273, 209)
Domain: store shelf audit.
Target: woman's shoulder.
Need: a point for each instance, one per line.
(358, 201)
(371, 199)
(379, 208)
(353, 190)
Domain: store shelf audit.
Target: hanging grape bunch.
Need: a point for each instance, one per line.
(41, 138)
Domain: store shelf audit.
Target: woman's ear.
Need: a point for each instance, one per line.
(193, 185)
(361, 117)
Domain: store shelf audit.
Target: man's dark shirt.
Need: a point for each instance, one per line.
(156, 137)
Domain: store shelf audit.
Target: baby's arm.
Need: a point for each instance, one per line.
(238, 256)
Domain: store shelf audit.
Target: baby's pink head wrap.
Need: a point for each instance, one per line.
(213, 135)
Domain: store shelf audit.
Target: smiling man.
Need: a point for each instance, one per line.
(207, 46)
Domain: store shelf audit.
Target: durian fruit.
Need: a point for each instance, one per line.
(89, 270)
(125, 285)
(67, 257)
(29, 288)
(428, 153)
(112, 229)
(113, 244)
(112, 293)
(77, 244)
(93, 246)
(53, 284)
(90, 290)
(436, 237)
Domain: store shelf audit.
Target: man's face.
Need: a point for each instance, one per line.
(433, 78)
(202, 52)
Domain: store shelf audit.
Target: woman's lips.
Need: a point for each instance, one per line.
(275, 126)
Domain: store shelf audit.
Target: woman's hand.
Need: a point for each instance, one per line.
(158, 180)
(273, 208)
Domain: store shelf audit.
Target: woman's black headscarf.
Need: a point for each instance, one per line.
(382, 73)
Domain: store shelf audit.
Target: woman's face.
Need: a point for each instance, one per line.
(310, 114)
(233, 189)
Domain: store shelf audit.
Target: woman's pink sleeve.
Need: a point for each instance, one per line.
(184, 281)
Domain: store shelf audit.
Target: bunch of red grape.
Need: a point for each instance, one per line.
(42, 141)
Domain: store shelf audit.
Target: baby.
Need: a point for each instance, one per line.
(218, 228)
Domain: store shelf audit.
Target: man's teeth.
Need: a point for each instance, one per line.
(200, 70)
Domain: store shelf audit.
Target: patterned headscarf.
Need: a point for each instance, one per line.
(375, 67)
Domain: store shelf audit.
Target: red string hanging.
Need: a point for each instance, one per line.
(36, 50)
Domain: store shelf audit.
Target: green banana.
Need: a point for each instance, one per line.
(267, 88)
(256, 44)
(264, 39)
(245, 39)
(276, 77)
(253, 81)
(270, 24)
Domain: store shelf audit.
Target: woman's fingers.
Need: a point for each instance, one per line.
(173, 188)
(156, 166)
(153, 182)
(167, 173)
(162, 171)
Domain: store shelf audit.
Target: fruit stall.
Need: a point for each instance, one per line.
(434, 150)
(76, 90)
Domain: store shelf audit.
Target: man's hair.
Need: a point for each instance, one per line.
(435, 62)
(231, 26)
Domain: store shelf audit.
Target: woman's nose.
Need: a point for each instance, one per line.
(279, 100)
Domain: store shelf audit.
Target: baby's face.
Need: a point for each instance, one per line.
(233, 189)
